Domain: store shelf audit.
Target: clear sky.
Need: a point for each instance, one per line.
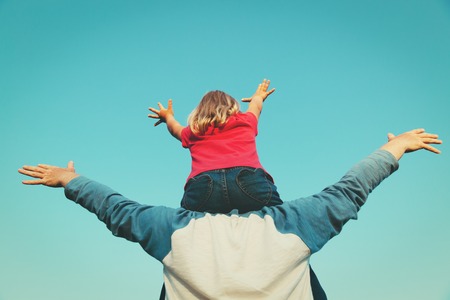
(77, 77)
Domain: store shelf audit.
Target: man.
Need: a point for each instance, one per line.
(258, 255)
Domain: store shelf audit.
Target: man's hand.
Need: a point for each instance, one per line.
(163, 113)
(411, 141)
(49, 175)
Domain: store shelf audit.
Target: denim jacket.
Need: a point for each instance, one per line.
(257, 255)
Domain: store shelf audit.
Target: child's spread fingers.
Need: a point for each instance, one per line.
(270, 92)
(154, 110)
(264, 85)
(153, 116)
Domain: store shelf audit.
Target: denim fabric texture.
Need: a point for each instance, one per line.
(220, 191)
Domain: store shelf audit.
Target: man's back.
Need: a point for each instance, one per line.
(258, 255)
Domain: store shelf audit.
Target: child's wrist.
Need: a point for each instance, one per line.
(257, 98)
(166, 116)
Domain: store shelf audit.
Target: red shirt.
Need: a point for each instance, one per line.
(231, 145)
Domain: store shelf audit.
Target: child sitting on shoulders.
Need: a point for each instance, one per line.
(226, 172)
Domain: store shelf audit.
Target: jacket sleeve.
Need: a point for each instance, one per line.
(150, 226)
(318, 218)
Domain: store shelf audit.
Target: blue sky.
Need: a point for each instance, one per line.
(77, 77)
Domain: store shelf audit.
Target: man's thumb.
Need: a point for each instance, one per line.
(390, 136)
(71, 166)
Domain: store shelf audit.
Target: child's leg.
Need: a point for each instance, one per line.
(207, 192)
(251, 189)
(220, 191)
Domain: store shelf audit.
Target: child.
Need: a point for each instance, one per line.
(226, 173)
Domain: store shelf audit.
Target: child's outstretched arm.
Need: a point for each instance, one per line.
(411, 141)
(166, 115)
(256, 101)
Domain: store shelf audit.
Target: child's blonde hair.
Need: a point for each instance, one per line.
(214, 109)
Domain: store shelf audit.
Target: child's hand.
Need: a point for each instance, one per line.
(163, 113)
(411, 141)
(261, 91)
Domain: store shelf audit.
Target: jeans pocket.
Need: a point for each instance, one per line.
(197, 192)
(255, 185)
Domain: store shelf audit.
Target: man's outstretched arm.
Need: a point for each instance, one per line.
(150, 226)
(320, 217)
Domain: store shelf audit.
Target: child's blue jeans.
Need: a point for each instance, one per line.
(222, 190)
